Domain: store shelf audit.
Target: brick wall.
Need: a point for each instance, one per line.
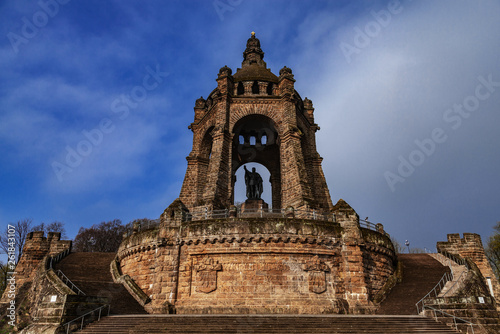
(260, 265)
(36, 247)
(471, 246)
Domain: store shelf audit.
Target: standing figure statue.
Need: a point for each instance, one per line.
(253, 181)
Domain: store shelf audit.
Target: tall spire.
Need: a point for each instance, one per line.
(253, 53)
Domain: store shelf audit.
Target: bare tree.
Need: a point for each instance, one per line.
(493, 250)
(398, 248)
(21, 229)
(4, 269)
(416, 250)
(55, 226)
(103, 237)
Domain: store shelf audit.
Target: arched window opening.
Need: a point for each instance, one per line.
(210, 150)
(260, 132)
(270, 89)
(255, 87)
(241, 140)
(240, 90)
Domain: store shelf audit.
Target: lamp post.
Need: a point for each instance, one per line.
(407, 244)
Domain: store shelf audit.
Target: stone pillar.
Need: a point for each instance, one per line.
(309, 110)
(248, 87)
(356, 289)
(200, 109)
(263, 88)
(194, 180)
(296, 190)
(275, 190)
(173, 215)
(216, 194)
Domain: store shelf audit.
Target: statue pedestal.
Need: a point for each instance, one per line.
(254, 205)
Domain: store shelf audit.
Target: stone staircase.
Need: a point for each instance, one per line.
(268, 324)
(90, 272)
(421, 273)
(459, 272)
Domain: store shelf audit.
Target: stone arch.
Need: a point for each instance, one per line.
(206, 144)
(205, 151)
(268, 154)
(268, 110)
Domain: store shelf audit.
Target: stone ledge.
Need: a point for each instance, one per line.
(129, 284)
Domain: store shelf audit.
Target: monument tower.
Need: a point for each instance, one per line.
(254, 116)
(303, 256)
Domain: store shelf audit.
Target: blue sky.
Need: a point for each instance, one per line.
(406, 93)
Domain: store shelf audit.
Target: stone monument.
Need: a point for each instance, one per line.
(253, 183)
(303, 256)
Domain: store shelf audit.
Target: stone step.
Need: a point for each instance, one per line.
(270, 324)
(459, 272)
(91, 273)
(421, 273)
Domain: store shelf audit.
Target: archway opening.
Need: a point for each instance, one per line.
(240, 187)
(256, 141)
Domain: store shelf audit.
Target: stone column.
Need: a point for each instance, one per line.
(248, 87)
(262, 88)
(356, 289)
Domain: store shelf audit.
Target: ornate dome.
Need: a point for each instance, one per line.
(254, 72)
(253, 66)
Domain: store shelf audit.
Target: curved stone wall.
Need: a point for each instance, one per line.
(258, 265)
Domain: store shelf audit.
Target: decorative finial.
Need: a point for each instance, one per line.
(253, 53)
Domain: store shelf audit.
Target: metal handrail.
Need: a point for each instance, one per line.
(206, 213)
(83, 317)
(436, 290)
(457, 259)
(66, 280)
(58, 257)
(457, 281)
(455, 318)
(367, 224)
(143, 226)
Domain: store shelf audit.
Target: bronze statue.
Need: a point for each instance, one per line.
(253, 181)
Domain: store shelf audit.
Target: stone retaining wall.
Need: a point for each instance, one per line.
(259, 265)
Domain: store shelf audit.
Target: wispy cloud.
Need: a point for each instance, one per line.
(370, 110)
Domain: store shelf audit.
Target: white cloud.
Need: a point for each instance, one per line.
(396, 91)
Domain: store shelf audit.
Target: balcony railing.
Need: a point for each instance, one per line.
(207, 213)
